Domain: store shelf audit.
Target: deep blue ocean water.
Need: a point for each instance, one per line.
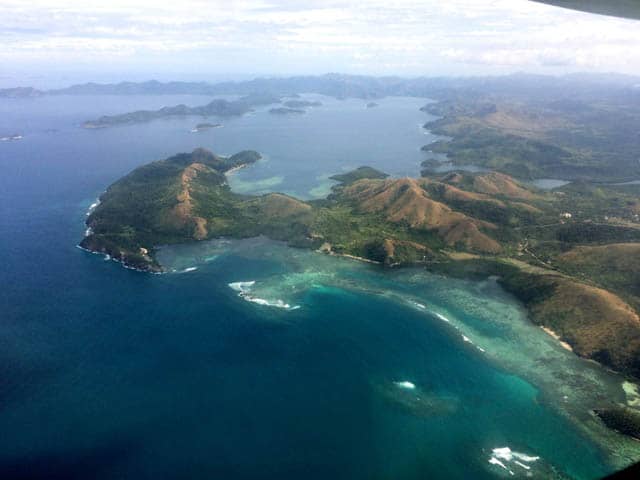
(110, 373)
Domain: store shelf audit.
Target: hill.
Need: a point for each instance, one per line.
(615, 266)
(183, 198)
(186, 197)
(358, 174)
(405, 201)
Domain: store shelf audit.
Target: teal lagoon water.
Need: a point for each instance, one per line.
(110, 373)
(549, 183)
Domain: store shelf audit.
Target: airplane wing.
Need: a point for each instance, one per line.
(615, 8)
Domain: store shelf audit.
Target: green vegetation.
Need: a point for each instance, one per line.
(150, 206)
(616, 266)
(358, 174)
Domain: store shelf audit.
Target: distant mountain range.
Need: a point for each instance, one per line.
(344, 86)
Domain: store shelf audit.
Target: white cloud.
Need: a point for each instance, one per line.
(412, 36)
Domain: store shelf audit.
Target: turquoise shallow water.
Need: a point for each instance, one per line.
(483, 376)
(109, 373)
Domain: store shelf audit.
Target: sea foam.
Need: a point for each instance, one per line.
(92, 207)
(242, 286)
(244, 292)
(405, 384)
(505, 458)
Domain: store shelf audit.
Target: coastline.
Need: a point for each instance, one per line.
(567, 384)
(553, 334)
(231, 171)
(352, 257)
(123, 263)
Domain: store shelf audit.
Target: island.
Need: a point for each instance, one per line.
(201, 127)
(359, 174)
(301, 103)
(217, 107)
(20, 92)
(286, 111)
(472, 225)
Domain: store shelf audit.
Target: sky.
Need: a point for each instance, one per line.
(43, 41)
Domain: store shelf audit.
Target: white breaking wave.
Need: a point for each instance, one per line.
(495, 461)
(277, 303)
(242, 286)
(405, 384)
(10, 138)
(468, 340)
(188, 269)
(244, 289)
(445, 319)
(92, 207)
(504, 457)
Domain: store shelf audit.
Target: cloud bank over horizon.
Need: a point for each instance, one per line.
(199, 39)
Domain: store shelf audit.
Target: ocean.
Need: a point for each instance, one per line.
(311, 367)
